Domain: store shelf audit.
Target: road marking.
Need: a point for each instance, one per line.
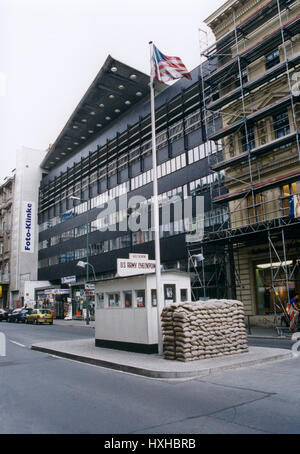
(17, 343)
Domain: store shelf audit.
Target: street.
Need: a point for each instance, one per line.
(42, 394)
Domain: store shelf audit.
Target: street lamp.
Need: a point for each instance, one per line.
(84, 264)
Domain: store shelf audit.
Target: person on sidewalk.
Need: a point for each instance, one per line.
(294, 311)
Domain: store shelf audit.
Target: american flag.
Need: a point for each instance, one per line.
(168, 68)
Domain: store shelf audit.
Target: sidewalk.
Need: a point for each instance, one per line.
(268, 333)
(77, 323)
(156, 366)
(255, 332)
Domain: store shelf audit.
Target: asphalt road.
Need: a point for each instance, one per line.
(44, 394)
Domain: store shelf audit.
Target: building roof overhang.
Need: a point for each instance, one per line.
(116, 89)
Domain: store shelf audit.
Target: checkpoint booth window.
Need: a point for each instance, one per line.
(153, 297)
(183, 294)
(100, 300)
(114, 299)
(170, 293)
(128, 298)
(140, 298)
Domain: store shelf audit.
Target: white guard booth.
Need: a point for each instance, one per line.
(126, 311)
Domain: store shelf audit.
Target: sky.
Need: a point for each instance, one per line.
(51, 50)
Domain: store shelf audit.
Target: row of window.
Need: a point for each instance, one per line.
(162, 170)
(94, 249)
(170, 166)
(108, 220)
(272, 59)
(137, 298)
(258, 208)
(174, 132)
(102, 223)
(213, 217)
(281, 127)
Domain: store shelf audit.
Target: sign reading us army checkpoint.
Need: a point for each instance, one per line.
(134, 266)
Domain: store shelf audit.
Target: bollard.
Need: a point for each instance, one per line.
(2, 344)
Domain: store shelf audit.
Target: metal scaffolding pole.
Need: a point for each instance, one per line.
(289, 79)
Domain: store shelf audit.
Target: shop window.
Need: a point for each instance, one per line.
(113, 299)
(268, 295)
(170, 293)
(128, 299)
(140, 298)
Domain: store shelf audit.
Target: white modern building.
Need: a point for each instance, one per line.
(24, 232)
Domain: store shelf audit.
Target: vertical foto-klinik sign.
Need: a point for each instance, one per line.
(28, 221)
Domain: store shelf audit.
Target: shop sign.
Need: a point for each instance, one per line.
(68, 280)
(89, 287)
(28, 221)
(57, 291)
(69, 214)
(132, 267)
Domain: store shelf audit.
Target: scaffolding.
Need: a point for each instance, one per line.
(230, 77)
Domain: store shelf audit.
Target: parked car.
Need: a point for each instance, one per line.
(4, 314)
(19, 315)
(38, 316)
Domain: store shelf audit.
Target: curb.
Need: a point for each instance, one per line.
(256, 336)
(163, 374)
(75, 325)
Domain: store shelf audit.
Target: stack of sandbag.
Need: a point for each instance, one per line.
(201, 330)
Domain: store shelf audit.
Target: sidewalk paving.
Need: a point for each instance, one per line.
(156, 366)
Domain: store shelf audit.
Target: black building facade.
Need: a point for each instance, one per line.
(103, 153)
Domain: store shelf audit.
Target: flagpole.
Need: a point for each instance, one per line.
(159, 299)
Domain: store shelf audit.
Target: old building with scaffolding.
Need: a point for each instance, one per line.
(251, 105)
